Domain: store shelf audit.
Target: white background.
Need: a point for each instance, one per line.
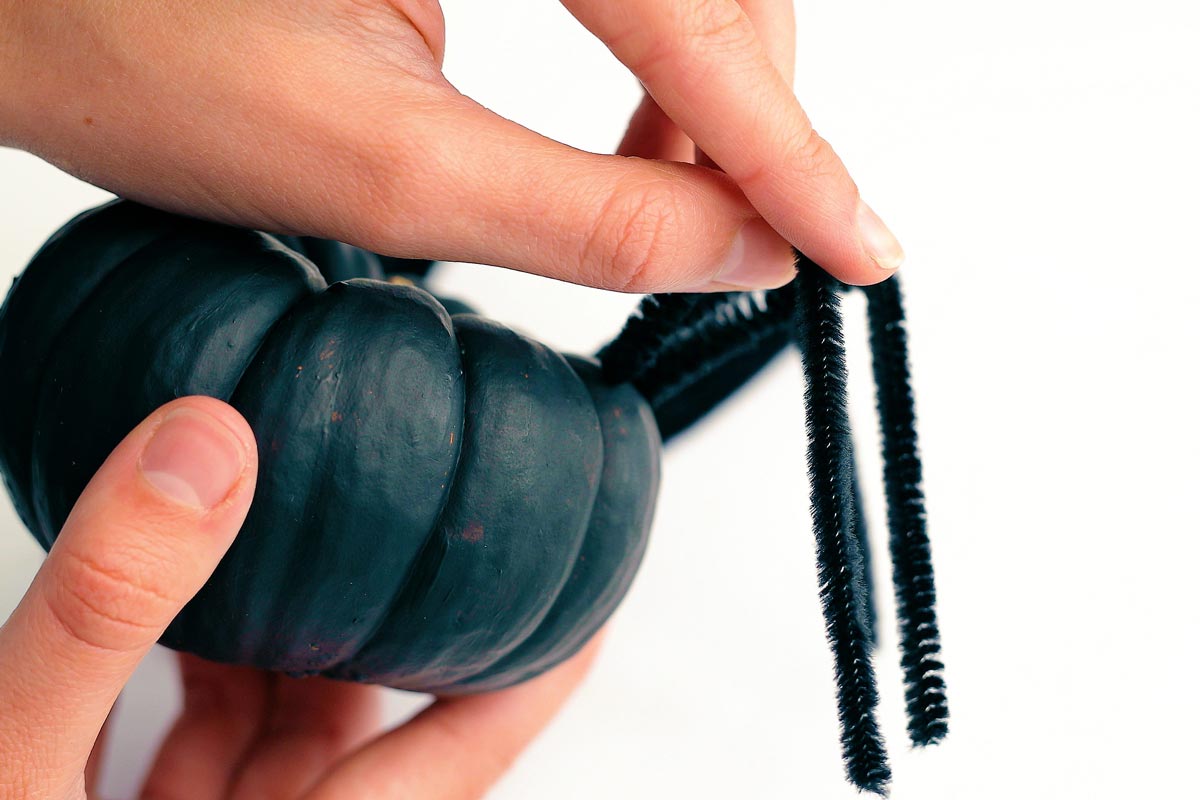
(1039, 162)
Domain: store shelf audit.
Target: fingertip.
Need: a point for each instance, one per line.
(758, 258)
(880, 244)
(865, 272)
(868, 253)
(199, 454)
(222, 412)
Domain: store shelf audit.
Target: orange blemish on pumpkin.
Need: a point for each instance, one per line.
(451, 437)
(337, 416)
(472, 533)
(88, 121)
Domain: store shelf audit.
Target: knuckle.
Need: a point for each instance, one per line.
(109, 602)
(634, 238)
(721, 40)
(403, 34)
(398, 172)
(811, 153)
(720, 23)
(753, 175)
(706, 35)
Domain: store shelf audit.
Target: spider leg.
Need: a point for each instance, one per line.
(870, 621)
(830, 462)
(925, 688)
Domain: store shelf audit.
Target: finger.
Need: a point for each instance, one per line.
(704, 63)
(146, 533)
(224, 710)
(385, 154)
(426, 756)
(313, 722)
(93, 770)
(775, 23)
(652, 134)
(471, 186)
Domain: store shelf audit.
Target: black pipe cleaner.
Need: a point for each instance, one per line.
(912, 567)
(869, 614)
(659, 318)
(839, 561)
(688, 353)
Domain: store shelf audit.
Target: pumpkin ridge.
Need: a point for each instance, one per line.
(406, 581)
(46, 526)
(556, 592)
(407, 584)
(26, 506)
(490, 615)
(398, 404)
(314, 276)
(413, 586)
(609, 556)
(172, 368)
(515, 658)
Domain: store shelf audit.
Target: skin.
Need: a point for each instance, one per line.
(332, 118)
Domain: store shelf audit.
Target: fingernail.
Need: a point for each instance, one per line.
(879, 242)
(759, 259)
(193, 459)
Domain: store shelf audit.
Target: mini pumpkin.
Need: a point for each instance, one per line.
(465, 505)
(443, 504)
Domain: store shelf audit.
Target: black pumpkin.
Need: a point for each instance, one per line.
(443, 504)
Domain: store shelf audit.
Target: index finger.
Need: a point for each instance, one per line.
(709, 70)
(424, 757)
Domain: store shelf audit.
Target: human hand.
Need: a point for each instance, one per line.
(144, 536)
(247, 735)
(332, 118)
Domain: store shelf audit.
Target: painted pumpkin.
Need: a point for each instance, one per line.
(443, 504)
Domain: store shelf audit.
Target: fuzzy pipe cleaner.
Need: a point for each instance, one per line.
(687, 353)
(912, 567)
(839, 559)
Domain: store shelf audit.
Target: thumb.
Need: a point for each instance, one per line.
(142, 539)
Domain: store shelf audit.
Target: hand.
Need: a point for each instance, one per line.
(144, 536)
(332, 118)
